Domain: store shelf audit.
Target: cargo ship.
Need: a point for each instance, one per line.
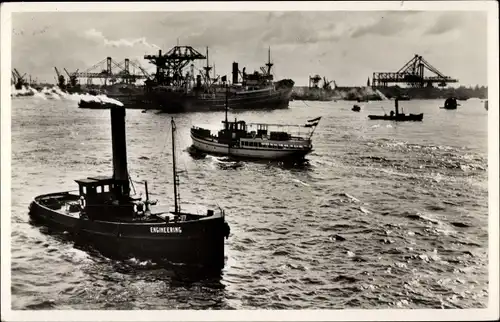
(175, 88)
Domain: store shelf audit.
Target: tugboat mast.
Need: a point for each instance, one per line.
(176, 179)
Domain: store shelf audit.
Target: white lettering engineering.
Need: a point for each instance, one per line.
(165, 230)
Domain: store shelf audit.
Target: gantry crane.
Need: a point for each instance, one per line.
(412, 73)
(170, 66)
(111, 72)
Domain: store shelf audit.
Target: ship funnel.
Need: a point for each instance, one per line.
(198, 81)
(235, 73)
(120, 172)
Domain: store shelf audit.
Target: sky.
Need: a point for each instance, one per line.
(345, 46)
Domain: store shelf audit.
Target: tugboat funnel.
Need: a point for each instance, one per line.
(120, 172)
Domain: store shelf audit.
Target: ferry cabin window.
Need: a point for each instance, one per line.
(84, 190)
(99, 189)
(106, 188)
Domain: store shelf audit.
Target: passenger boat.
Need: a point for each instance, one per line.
(238, 140)
(106, 215)
(396, 116)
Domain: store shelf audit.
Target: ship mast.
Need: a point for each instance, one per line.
(269, 64)
(227, 125)
(227, 103)
(176, 178)
(207, 72)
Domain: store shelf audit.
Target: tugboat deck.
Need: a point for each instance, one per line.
(67, 204)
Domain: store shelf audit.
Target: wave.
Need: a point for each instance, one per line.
(55, 92)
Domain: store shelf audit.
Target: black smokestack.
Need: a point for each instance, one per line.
(235, 73)
(120, 172)
(198, 81)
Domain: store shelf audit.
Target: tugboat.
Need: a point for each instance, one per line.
(105, 215)
(237, 140)
(396, 116)
(450, 104)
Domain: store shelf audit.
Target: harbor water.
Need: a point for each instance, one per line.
(384, 215)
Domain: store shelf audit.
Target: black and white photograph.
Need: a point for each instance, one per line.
(249, 161)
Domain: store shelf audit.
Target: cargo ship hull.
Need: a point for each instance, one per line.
(180, 102)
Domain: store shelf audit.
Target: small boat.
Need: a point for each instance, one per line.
(399, 117)
(486, 104)
(450, 104)
(105, 214)
(404, 97)
(396, 116)
(356, 108)
(237, 140)
(95, 105)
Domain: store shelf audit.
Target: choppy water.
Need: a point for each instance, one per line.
(385, 215)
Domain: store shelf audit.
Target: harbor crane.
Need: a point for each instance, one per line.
(18, 80)
(314, 81)
(61, 80)
(412, 73)
(73, 80)
(108, 70)
(169, 66)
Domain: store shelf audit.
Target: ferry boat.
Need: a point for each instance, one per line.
(237, 139)
(106, 215)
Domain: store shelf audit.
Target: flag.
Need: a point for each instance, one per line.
(311, 124)
(224, 78)
(315, 120)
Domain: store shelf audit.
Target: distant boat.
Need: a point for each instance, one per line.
(236, 140)
(396, 116)
(95, 105)
(403, 98)
(486, 104)
(450, 104)
(399, 117)
(356, 108)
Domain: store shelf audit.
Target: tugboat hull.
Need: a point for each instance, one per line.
(192, 242)
(398, 118)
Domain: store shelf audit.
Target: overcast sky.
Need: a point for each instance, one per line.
(343, 46)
